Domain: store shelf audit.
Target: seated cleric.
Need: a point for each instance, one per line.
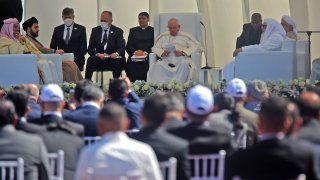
(174, 48)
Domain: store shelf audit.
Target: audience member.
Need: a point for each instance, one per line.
(119, 92)
(10, 9)
(117, 156)
(71, 72)
(251, 32)
(174, 48)
(20, 100)
(15, 144)
(295, 121)
(106, 47)
(60, 134)
(35, 109)
(175, 111)
(237, 88)
(92, 100)
(140, 42)
(70, 37)
(256, 92)
(78, 90)
(203, 138)
(273, 157)
(273, 36)
(164, 144)
(290, 26)
(309, 105)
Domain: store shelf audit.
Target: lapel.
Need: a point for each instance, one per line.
(111, 33)
(99, 35)
(74, 31)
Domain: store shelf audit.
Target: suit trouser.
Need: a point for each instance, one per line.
(94, 63)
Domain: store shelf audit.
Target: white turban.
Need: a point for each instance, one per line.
(291, 22)
(273, 26)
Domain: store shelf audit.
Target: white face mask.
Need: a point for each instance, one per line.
(68, 22)
(104, 25)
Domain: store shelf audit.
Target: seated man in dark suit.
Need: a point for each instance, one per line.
(71, 38)
(119, 92)
(140, 42)
(87, 114)
(60, 134)
(251, 32)
(203, 138)
(14, 144)
(164, 144)
(273, 157)
(35, 109)
(20, 100)
(106, 48)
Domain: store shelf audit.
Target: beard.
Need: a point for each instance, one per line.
(34, 34)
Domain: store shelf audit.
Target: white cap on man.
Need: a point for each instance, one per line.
(200, 100)
(237, 88)
(291, 22)
(51, 93)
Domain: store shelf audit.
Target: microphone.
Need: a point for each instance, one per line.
(205, 43)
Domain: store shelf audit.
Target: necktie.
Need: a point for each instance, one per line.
(105, 38)
(67, 36)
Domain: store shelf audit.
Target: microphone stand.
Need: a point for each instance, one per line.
(206, 68)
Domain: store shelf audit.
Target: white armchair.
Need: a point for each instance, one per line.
(190, 22)
(303, 59)
(273, 65)
(17, 69)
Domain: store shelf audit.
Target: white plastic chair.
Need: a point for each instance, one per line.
(12, 166)
(190, 22)
(89, 140)
(208, 161)
(169, 169)
(56, 162)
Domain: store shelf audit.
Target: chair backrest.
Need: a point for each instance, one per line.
(56, 162)
(89, 140)
(210, 166)
(8, 169)
(190, 22)
(288, 45)
(169, 169)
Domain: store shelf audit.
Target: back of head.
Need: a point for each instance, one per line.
(34, 91)
(224, 101)
(112, 117)
(256, 89)
(7, 113)
(273, 114)
(175, 102)
(92, 93)
(309, 105)
(154, 109)
(20, 100)
(80, 87)
(117, 88)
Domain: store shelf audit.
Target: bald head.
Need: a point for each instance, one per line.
(309, 105)
(173, 26)
(34, 91)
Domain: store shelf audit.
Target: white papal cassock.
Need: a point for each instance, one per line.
(160, 71)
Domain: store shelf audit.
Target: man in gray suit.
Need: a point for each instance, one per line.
(14, 144)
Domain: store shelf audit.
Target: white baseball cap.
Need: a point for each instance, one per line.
(200, 100)
(237, 88)
(51, 93)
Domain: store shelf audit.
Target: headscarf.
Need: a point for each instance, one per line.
(291, 22)
(273, 26)
(7, 28)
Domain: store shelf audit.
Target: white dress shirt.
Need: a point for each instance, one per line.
(65, 31)
(116, 156)
(91, 103)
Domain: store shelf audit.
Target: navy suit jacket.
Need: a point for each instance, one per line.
(87, 116)
(35, 111)
(77, 44)
(133, 106)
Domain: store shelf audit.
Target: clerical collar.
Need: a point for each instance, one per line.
(143, 28)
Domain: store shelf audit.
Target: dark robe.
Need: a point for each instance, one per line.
(249, 36)
(139, 39)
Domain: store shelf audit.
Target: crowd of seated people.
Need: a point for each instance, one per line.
(264, 136)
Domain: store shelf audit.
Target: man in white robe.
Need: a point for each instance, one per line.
(290, 26)
(174, 48)
(273, 35)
